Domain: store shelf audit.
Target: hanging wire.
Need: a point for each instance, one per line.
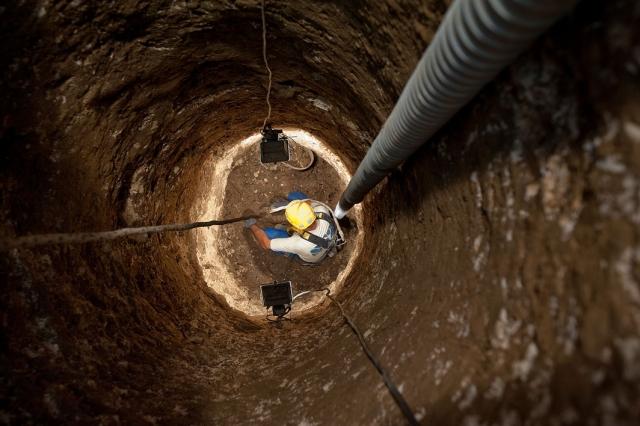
(393, 389)
(266, 64)
(268, 98)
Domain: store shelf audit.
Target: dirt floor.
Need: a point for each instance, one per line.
(252, 186)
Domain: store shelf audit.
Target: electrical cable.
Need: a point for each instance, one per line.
(393, 389)
(312, 156)
(84, 237)
(274, 167)
(266, 64)
(312, 159)
(303, 293)
(279, 317)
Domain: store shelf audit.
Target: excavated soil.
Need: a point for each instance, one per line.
(498, 279)
(251, 187)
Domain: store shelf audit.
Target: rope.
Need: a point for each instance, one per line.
(393, 390)
(84, 237)
(266, 64)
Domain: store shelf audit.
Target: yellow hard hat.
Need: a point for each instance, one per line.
(300, 214)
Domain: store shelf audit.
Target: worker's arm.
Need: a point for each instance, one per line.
(261, 236)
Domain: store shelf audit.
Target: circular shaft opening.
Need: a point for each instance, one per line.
(234, 184)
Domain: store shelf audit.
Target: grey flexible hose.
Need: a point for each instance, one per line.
(475, 41)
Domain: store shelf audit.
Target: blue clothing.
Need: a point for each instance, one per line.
(297, 195)
(273, 233)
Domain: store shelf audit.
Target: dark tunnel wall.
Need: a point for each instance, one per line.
(499, 278)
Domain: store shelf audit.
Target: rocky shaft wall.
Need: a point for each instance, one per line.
(499, 279)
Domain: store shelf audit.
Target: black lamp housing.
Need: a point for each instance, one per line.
(278, 296)
(274, 147)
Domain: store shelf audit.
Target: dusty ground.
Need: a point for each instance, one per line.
(251, 186)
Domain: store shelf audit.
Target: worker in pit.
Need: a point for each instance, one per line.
(313, 235)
